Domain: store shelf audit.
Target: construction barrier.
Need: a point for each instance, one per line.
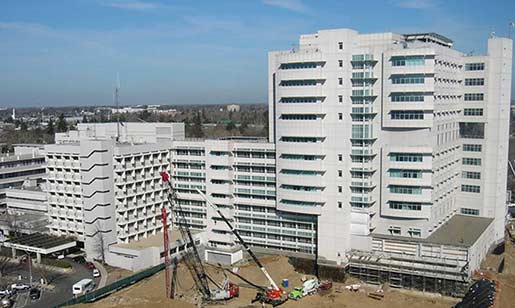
(110, 288)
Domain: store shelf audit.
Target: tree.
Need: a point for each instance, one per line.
(62, 126)
(244, 125)
(100, 244)
(230, 125)
(197, 127)
(50, 127)
(23, 125)
(84, 119)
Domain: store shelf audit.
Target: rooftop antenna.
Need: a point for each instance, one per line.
(511, 27)
(116, 92)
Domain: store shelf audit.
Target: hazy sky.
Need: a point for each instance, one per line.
(68, 52)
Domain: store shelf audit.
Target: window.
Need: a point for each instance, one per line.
(301, 188)
(473, 111)
(474, 66)
(407, 97)
(340, 189)
(471, 188)
(340, 173)
(474, 81)
(299, 116)
(472, 130)
(471, 175)
(408, 61)
(394, 230)
(289, 100)
(469, 97)
(339, 204)
(407, 206)
(407, 79)
(471, 148)
(406, 190)
(302, 139)
(471, 161)
(407, 115)
(301, 172)
(340, 98)
(340, 45)
(302, 157)
(298, 83)
(340, 63)
(340, 81)
(361, 131)
(340, 157)
(340, 116)
(466, 211)
(299, 65)
(295, 202)
(409, 174)
(406, 157)
(415, 232)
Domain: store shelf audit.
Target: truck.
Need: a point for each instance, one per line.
(309, 287)
(84, 286)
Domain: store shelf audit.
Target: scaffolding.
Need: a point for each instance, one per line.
(438, 275)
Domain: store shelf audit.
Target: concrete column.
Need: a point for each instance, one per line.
(38, 258)
(13, 250)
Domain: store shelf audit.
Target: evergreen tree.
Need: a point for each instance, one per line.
(50, 127)
(62, 126)
(244, 125)
(230, 126)
(197, 127)
(84, 119)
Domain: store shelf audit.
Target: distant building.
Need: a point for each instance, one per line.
(233, 108)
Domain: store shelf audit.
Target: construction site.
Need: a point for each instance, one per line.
(273, 280)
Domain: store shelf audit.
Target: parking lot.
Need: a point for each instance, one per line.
(58, 289)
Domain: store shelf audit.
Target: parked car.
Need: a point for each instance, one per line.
(79, 259)
(96, 273)
(5, 292)
(20, 286)
(90, 265)
(35, 294)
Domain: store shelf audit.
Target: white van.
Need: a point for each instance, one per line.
(83, 286)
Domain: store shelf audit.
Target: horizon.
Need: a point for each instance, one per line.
(168, 53)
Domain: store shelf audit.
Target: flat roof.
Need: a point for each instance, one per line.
(40, 242)
(155, 240)
(460, 230)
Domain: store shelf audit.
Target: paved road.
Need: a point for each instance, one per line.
(62, 285)
(103, 274)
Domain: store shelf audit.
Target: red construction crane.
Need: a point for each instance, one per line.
(164, 216)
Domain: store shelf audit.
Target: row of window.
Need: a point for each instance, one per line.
(394, 205)
(407, 115)
(472, 148)
(300, 188)
(302, 139)
(298, 83)
(301, 157)
(301, 172)
(471, 175)
(471, 188)
(299, 203)
(473, 112)
(474, 81)
(309, 99)
(408, 61)
(407, 190)
(407, 97)
(299, 117)
(471, 161)
(470, 97)
(469, 211)
(406, 157)
(361, 131)
(299, 65)
(474, 66)
(408, 79)
(400, 173)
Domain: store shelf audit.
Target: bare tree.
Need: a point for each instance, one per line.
(100, 244)
(5, 265)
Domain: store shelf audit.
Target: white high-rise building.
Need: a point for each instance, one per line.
(389, 136)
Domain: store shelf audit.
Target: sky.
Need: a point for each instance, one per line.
(69, 52)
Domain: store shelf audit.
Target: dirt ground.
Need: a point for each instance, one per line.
(150, 292)
(116, 273)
